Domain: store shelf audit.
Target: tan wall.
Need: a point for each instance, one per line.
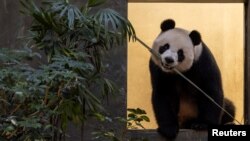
(221, 27)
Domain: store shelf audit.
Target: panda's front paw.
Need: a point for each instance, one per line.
(199, 126)
(168, 132)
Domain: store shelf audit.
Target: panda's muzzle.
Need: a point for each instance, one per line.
(167, 63)
(167, 66)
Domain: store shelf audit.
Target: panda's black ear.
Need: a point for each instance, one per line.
(167, 24)
(195, 37)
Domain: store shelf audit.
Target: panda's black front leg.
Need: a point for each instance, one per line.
(166, 110)
(165, 101)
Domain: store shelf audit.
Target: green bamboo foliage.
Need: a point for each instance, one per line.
(61, 26)
(38, 102)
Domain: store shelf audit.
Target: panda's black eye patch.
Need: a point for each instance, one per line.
(181, 56)
(163, 48)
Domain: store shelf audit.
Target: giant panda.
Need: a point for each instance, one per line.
(176, 103)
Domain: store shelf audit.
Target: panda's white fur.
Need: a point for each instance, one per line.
(177, 38)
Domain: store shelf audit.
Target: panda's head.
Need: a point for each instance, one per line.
(177, 47)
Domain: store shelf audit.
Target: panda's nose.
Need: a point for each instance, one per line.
(169, 60)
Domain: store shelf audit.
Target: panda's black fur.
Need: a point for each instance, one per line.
(178, 104)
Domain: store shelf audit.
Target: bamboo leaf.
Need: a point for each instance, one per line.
(71, 18)
(65, 9)
(115, 23)
(145, 118)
